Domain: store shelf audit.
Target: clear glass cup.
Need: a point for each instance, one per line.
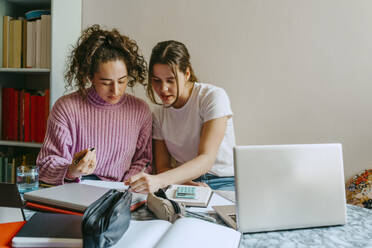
(27, 178)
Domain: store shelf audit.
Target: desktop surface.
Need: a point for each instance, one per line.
(356, 233)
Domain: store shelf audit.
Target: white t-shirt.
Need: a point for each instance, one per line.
(181, 128)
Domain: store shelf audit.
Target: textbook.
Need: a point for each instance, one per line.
(201, 197)
(184, 232)
(73, 197)
(50, 230)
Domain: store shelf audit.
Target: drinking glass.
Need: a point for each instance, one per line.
(27, 178)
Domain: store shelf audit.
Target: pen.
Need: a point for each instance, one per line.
(200, 216)
(144, 168)
(78, 160)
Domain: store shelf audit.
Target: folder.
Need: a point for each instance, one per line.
(8, 231)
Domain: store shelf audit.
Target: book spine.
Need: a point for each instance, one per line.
(43, 51)
(11, 112)
(5, 171)
(30, 44)
(6, 35)
(21, 130)
(33, 118)
(5, 114)
(1, 170)
(16, 115)
(24, 43)
(15, 43)
(38, 44)
(27, 136)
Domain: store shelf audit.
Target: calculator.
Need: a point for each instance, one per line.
(185, 192)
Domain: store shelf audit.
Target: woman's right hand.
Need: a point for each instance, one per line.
(83, 163)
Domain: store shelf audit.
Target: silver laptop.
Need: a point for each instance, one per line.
(281, 187)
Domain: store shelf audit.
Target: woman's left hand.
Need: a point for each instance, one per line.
(144, 183)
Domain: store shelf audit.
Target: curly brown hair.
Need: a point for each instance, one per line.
(96, 46)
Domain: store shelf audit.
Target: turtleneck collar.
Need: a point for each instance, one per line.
(97, 101)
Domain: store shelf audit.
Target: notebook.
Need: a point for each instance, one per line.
(293, 186)
(202, 195)
(184, 233)
(76, 196)
(50, 230)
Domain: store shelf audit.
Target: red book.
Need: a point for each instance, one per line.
(26, 117)
(46, 111)
(46, 208)
(33, 117)
(39, 119)
(9, 117)
(21, 120)
(11, 113)
(5, 113)
(15, 114)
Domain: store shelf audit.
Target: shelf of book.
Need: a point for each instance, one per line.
(28, 92)
(25, 70)
(20, 143)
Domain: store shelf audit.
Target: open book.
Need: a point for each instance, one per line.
(202, 195)
(185, 232)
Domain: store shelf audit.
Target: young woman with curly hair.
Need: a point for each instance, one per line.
(99, 114)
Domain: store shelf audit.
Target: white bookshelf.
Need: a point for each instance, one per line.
(65, 30)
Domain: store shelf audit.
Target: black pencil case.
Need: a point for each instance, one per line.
(107, 219)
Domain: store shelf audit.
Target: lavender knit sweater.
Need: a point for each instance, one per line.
(121, 134)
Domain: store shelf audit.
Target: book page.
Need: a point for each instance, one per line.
(144, 234)
(191, 232)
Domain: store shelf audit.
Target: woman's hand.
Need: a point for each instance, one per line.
(144, 183)
(84, 163)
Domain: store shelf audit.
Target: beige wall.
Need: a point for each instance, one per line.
(296, 71)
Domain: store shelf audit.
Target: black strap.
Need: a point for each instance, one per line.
(176, 207)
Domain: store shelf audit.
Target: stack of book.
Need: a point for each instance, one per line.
(24, 114)
(26, 42)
